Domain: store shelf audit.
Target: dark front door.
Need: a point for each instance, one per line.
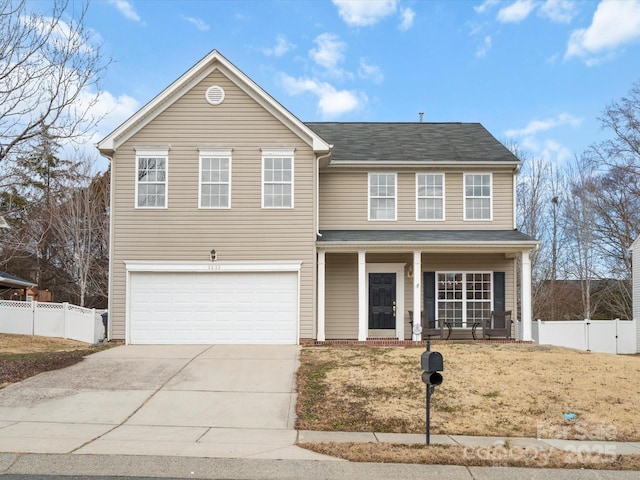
(382, 301)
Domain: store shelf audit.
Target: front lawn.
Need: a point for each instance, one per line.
(511, 390)
(23, 356)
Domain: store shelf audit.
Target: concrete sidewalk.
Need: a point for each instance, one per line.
(118, 466)
(580, 446)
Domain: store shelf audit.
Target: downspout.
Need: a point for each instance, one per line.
(317, 193)
(111, 216)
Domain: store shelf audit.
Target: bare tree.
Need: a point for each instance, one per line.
(623, 119)
(49, 73)
(80, 227)
(579, 216)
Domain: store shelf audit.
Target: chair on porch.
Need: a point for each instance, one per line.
(430, 327)
(498, 325)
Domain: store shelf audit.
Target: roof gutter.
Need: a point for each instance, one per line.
(402, 164)
(15, 282)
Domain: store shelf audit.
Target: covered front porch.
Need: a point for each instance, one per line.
(369, 285)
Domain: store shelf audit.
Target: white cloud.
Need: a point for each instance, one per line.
(126, 9)
(561, 11)
(61, 33)
(487, 4)
(330, 52)
(516, 12)
(484, 48)
(197, 22)
(115, 110)
(112, 110)
(614, 24)
(281, 47)
(332, 103)
(363, 13)
(370, 72)
(528, 138)
(406, 19)
(555, 152)
(536, 126)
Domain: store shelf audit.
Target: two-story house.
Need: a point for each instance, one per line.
(232, 221)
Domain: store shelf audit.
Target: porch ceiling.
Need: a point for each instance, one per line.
(469, 241)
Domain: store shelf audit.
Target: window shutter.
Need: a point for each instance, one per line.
(498, 292)
(429, 287)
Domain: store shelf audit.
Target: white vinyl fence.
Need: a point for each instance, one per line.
(606, 336)
(62, 320)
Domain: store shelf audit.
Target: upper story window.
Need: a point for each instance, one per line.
(151, 178)
(382, 196)
(429, 196)
(277, 178)
(477, 196)
(215, 178)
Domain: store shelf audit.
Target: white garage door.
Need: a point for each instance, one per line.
(213, 307)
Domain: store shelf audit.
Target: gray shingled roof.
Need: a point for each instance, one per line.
(8, 280)
(424, 236)
(411, 142)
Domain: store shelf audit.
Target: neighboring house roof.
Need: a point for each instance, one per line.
(402, 143)
(448, 238)
(211, 62)
(8, 280)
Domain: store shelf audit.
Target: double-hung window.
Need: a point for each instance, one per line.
(477, 196)
(382, 196)
(215, 178)
(151, 178)
(277, 178)
(429, 196)
(464, 298)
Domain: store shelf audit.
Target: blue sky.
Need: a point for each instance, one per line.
(539, 72)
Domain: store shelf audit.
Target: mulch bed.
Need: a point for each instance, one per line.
(17, 367)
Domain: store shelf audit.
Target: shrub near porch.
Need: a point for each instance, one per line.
(514, 390)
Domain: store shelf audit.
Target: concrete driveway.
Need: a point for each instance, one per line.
(189, 400)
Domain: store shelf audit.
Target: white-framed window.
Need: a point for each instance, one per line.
(151, 177)
(382, 196)
(463, 298)
(215, 178)
(477, 196)
(429, 196)
(277, 178)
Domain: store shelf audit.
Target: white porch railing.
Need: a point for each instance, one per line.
(62, 320)
(605, 336)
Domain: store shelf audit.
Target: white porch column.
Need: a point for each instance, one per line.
(363, 297)
(417, 293)
(525, 301)
(320, 335)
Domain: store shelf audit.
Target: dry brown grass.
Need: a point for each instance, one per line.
(511, 390)
(478, 457)
(31, 344)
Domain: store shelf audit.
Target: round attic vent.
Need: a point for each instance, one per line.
(214, 95)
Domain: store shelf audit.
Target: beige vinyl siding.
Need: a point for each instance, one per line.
(245, 231)
(341, 294)
(344, 202)
(341, 315)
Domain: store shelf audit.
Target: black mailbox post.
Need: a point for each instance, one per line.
(432, 364)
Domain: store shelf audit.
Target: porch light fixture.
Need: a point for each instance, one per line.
(409, 271)
(213, 256)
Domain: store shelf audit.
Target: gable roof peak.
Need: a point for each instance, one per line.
(210, 62)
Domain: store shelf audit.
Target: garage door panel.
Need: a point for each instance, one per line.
(214, 307)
